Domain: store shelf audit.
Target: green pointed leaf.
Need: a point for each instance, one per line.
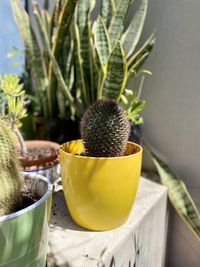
(86, 48)
(102, 41)
(137, 107)
(68, 58)
(44, 16)
(97, 73)
(129, 93)
(47, 20)
(136, 61)
(55, 66)
(84, 9)
(117, 23)
(64, 22)
(179, 197)
(80, 82)
(32, 51)
(124, 100)
(54, 18)
(116, 75)
(132, 35)
(107, 9)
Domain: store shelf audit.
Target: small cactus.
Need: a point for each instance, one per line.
(10, 180)
(105, 129)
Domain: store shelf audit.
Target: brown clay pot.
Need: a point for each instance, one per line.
(40, 154)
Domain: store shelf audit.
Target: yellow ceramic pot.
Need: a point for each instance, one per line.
(99, 191)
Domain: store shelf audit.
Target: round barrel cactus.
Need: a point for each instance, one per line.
(105, 129)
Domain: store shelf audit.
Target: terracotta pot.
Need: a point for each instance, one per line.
(42, 163)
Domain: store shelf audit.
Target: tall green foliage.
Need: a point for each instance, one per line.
(76, 60)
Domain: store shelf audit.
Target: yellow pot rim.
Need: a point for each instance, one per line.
(102, 158)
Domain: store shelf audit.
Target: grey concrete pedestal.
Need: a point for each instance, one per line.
(140, 242)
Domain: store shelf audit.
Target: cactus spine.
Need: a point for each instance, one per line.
(10, 180)
(105, 129)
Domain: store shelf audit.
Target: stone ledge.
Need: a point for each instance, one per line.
(139, 242)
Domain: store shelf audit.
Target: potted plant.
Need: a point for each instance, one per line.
(100, 173)
(25, 205)
(35, 156)
(76, 59)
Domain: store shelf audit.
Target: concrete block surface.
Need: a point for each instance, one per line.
(140, 242)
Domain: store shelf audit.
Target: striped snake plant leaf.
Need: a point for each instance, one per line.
(107, 9)
(84, 9)
(179, 197)
(102, 42)
(139, 57)
(61, 103)
(51, 94)
(54, 18)
(117, 23)
(68, 58)
(97, 71)
(32, 51)
(64, 21)
(56, 69)
(116, 76)
(47, 21)
(132, 35)
(66, 61)
(86, 54)
(79, 66)
(138, 64)
(44, 17)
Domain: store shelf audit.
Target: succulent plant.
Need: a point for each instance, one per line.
(10, 180)
(105, 129)
(13, 108)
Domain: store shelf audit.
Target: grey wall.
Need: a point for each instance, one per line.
(172, 124)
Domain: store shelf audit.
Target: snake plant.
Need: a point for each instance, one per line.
(76, 60)
(179, 196)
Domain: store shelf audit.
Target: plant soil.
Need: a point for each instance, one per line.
(28, 199)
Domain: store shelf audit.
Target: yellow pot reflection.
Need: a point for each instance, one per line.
(99, 191)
